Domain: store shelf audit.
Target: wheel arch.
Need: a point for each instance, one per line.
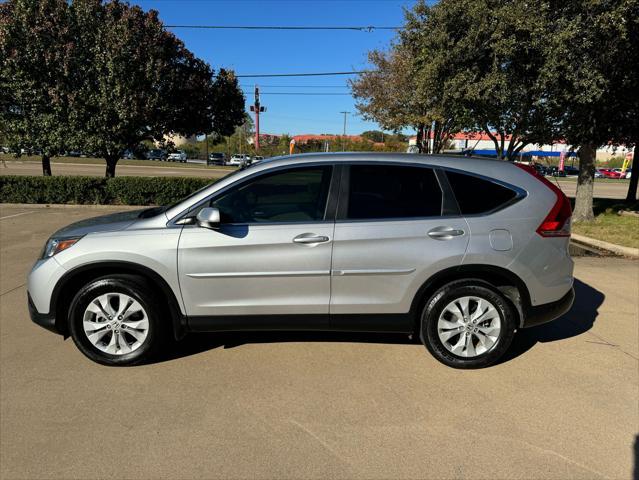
(504, 280)
(67, 287)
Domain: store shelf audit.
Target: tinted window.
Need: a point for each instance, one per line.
(475, 195)
(296, 195)
(390, 191)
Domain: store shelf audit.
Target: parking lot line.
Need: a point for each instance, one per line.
(16, 215)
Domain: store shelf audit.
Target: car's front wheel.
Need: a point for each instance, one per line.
(468, 324)
(115, 321)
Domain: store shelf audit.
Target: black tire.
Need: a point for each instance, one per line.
(475, 288)
(137, 288)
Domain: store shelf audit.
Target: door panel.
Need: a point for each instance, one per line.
(255, 269)
(390, 237)
(379, 266)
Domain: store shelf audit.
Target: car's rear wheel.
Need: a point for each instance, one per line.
(468, 324)
(115, 321)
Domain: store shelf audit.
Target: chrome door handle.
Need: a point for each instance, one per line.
(310, 238)
(444, 233)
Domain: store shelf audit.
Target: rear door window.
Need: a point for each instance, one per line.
(393, 191)
(477, 195)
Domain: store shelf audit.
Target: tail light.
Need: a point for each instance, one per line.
(557, 222)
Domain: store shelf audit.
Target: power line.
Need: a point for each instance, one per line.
(367, 28)
(322, 74)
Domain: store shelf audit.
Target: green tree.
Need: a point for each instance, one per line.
(482, 60)
(592, 78)
(373, 135)
(37, 66)
(389, 95)
(140, 82)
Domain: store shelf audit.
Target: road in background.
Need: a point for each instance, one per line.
(314, 405)
(603, 189)
(90, 169)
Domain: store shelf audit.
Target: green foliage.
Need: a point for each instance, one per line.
(93, 190)
(482, 61)
(390, 95)
(613, 162)
(592, 70)
(36, 75)
(103, 77)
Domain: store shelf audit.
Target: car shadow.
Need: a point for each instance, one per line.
(201, 342)
(577, 320)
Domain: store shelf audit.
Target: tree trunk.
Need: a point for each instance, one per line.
(111, 162)
(437, 137)
(494, 139)
(420, 138)
(46, 165)
(583, 200)
(634, 178)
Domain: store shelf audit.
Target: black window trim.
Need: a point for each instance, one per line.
(331, 200)
(449, 203)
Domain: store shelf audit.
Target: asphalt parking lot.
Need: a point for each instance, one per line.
(562, 405)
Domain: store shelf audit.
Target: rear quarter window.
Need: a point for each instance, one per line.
(477, 195)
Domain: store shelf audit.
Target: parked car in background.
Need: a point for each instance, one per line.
(598, 174)
(571, 171)
(128, 155)
(256, 159)
(629, 173)
(461, 253)
(156, 154)
(566, 172)
(610, 173)
(239, 160)
(541, 169)
(216, 159)
(177, 156)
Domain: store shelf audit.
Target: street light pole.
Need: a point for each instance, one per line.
(344, 134)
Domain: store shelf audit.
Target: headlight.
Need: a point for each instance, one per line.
(57, 245)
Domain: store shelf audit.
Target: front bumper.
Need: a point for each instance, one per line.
(45, 320)
(549, 311)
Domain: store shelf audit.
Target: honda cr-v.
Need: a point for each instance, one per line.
(461, 252)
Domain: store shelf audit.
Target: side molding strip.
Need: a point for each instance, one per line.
(306, 273)
(379, 271)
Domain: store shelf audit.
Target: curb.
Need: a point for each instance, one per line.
(607, 246)
(71, 205)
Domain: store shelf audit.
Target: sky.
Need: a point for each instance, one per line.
(263, 52)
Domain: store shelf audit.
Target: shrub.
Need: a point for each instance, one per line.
(93, 190)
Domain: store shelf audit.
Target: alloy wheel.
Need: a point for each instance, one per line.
(115, 323)
(469, 326)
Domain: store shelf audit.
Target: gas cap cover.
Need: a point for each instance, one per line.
(500, 240)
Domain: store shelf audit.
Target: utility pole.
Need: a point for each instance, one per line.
(344, 134)
(257, 109)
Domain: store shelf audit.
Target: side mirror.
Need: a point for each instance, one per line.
(209, 218)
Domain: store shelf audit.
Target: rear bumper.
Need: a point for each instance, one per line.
(45, 320)
(549, 311)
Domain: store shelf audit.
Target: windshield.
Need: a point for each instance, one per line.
(164, 209)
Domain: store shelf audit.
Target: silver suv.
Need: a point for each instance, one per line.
(461, 251)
